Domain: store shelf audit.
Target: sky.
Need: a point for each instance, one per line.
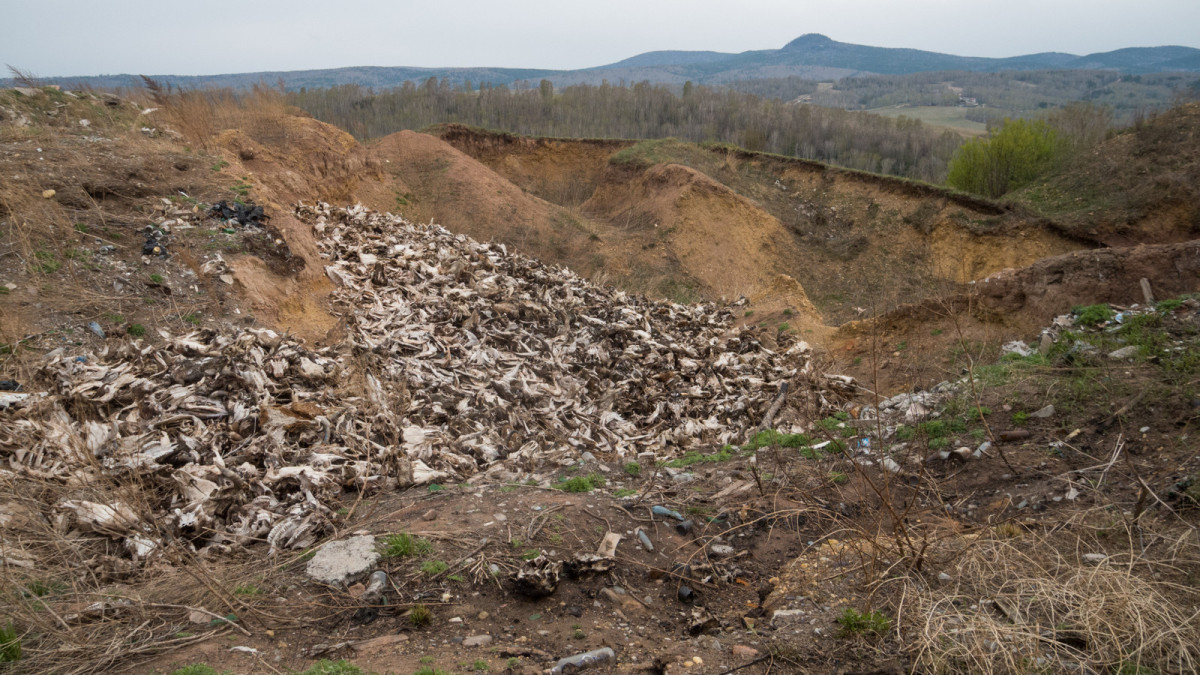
(201, 37)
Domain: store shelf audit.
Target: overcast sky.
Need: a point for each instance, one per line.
(92, 37)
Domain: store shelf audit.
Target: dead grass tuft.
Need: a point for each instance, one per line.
(1021, 606)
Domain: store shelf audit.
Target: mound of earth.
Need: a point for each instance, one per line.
(1137, 187)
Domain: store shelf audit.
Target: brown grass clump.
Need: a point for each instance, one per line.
(1027, 606)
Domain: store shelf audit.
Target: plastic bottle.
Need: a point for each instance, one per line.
(574, 664)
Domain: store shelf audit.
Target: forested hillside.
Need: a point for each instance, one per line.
(700, 114)
(1002, 94)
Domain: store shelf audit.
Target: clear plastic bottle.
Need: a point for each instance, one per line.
(574, 664)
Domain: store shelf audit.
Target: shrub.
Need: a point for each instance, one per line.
(136, 330)
(1014, 155)
(633, 469)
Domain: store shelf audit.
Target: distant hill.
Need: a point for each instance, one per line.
(811, 56)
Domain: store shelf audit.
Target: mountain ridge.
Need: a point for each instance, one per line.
(812, 56)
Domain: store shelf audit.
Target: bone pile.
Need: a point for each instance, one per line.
(460, 358)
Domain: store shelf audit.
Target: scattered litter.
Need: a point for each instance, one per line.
(1017, 347)
(537, 578)
(664, 511)
(242, 214)
(578, 662)
(645, 540)
(95, 328)
(10, 385)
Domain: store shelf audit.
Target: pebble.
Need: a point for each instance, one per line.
(483, 616)
(742, 651)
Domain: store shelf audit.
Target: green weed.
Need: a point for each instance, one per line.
(633, 469)
(420, 615)
(405, 545)
(432, 567)
(854, 622)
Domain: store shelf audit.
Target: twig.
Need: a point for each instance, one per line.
(241, 630)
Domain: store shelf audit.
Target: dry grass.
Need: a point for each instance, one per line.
(1032, 605)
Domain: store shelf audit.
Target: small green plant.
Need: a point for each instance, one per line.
(220, 164)
(198, 669)
(787, 312)
(633, 469)
(624, 492)
(327, 667)
(81, 227)
(115, 318)
(192, 319)
(404, 545)
(456, 577)
(429, 671)
(434, 487)
(10, 644)
(479, 664)
(531, 553)
(905, 433)
(432, 567)
(419, 616)
(247, 589)
(936, 332)
(838, 478)
(1168, 306)
(581, 483)
(854, 622)
(784, 327)
(939, 443)
(426, 659)
(1092, 315)
(157, 279)
(902, 345)
(47, 262)
(579, 634)
(749, 312)
(1020, 417)
(137, 330)
(512, 663)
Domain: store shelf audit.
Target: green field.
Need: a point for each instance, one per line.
(951, 117)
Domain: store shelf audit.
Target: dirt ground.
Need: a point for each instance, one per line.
(787, 537)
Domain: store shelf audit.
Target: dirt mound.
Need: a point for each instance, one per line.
(728, 245)
(850, 239)
(455, 190)
(1138, 187)
(562, 171)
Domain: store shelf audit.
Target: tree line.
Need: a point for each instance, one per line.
(856, 140)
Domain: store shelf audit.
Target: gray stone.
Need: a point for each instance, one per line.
(478, 641)
(1123, 353)
(1044, 412)
(344, 561)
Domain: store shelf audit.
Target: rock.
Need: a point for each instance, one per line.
(47, 194)
(1123, 353)
(483, 616)
(197, 617)
(744, 652)
(942, 576)
(344, 561)
(429, 515)
(477, 641)
(1094, 558)
(1044, 412)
